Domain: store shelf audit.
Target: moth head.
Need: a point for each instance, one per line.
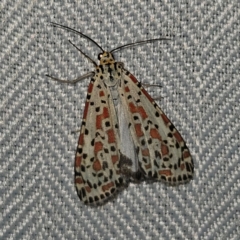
(105, 58)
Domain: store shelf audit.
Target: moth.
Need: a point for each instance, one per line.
(125, 137)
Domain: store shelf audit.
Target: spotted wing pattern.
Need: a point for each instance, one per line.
(162, 152)
(125, 137)
(97, 173)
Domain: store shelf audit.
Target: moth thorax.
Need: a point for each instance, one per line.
(105, 58)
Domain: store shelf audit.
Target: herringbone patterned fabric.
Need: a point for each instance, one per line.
(199, 74)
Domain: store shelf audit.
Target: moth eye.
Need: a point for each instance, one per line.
(100, 56)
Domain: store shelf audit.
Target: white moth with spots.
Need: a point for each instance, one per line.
(125, 137)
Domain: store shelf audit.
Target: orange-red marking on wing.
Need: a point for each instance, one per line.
(155, 134)
(148, 166)
(165, 172)
(97, 165)
(107, 186)
(80, 140)
(178, 136)
(145, 152)
(98, 147)
(101, 117)
(138, 109)
(78, 180)
(101, 94)
(165, 119)
(111, 136)
(138, 129)
(186, 154)
(182, 166)
(164, 149)
(114, 159)
(85, 110)
(88, 189)
(78, 161)
(127, 89)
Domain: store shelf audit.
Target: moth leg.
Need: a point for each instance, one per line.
(146, 85)
(121, 64)
(75, 131)
(151, 85)
(87, 75)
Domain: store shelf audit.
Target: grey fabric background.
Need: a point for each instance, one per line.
(199, 74)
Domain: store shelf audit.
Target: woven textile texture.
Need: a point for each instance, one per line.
(198, 70)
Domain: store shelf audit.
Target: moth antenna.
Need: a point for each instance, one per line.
(77, 32)
(138, 43)
(85, 55)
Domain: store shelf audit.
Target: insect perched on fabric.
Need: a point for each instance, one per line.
(125, 137)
